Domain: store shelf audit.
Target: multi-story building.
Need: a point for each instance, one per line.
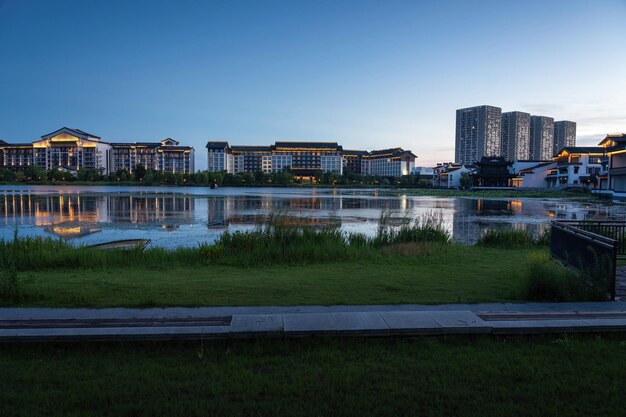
(578, 166)
(220, 157)
(448, 174)
(515, 135)
(166, 156)
(477, 133)
(306, 159)
(75, 149)
(15, 156)
(541, 137)
(251, 158)
(352, 160)
(564, 135)
(394, 162)
(615, 173)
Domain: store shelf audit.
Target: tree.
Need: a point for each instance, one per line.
(140, 172)
(466, 180)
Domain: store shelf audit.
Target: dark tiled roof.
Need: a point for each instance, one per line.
(217, 145)
(354, 152)
(386, 151)
(583, 149)
(21, 145)
(175, 148)
(245, 148)
(619, 138)
(170, 139)
(393, 152)
(131, 144)
(308, 145)
(543, 164)
(77, 132)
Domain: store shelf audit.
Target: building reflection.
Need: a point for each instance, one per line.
(168, 210)
(227, 211)
(74, 215)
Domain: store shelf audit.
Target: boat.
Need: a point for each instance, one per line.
(129, 244)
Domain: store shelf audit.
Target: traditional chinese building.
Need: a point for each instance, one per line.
(74, 149)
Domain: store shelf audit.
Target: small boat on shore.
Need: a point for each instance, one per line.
(129, 244)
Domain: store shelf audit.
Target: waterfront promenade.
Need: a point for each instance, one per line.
(75, 324)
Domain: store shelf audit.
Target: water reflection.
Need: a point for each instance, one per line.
(187, 218)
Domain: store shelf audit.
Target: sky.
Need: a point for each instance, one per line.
(366, 74)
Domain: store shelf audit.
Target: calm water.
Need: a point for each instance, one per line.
(177, 216)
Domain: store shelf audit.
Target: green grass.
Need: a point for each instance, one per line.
(403, 273)
(481, 376)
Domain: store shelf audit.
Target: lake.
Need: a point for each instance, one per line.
(188, 216)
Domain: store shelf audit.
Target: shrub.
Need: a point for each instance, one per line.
(548, 280)
(10, 289)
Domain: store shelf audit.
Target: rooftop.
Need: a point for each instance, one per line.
(217, 144)
(309, 145)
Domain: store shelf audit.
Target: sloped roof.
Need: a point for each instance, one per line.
(582, 149)
(170, 140)
(75, 132)
(309, 145)
(543, 164)
(354, 152)
(614, 137)
(217, 144)
(251, 148)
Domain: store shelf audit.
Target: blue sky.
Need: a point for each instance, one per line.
(367, 74)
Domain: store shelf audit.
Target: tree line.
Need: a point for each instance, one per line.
(141, 174)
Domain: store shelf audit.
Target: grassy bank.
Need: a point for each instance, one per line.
(565, 376)
(285, 264)
(431, 274)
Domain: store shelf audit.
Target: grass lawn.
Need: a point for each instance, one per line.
(540, 376)
(440, 274)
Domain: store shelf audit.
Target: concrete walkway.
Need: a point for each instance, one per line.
(70, 324)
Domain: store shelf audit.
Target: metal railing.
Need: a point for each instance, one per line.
(591, 253)
(611, 229)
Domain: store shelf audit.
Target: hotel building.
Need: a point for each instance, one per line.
(307, 159)
(75, 149)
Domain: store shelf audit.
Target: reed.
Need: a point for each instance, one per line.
(511, 239)
(282, 239)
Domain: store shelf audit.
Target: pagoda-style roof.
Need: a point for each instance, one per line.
(73, 132)
(568, 150)
(391, 152)
(354, 152)
(252, 148)
(308, 145)
(217, 145)
(612, 140)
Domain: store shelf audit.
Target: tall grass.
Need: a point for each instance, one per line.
(513, 239)
(281, 239)
(428, 227)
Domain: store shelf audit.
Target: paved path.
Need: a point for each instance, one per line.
(69, 324)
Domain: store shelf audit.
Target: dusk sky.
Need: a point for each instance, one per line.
(366, 74)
